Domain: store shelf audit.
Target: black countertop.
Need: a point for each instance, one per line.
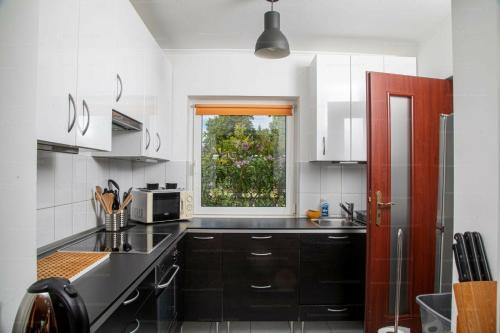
(106, 286)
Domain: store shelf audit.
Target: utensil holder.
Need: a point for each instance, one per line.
(112, 221)
(123, 218)
(476, 305)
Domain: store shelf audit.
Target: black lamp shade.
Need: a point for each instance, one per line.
(272, 44)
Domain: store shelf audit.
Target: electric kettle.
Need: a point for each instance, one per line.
(51, 306)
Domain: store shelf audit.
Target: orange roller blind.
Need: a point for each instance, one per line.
(243, 110)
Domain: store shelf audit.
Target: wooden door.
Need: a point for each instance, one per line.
(403, 156)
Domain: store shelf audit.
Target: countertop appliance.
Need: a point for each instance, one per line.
(118, 242)
(151, 206)
(444, 223)
(52, 306)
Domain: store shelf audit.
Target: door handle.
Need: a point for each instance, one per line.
(166, 284)
(148, 139)
(381, 205)
(71, 103)
(86, 109)
(119, 83)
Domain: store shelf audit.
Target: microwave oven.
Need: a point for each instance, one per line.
(152, 206)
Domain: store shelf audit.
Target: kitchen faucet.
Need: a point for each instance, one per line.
(349, 209)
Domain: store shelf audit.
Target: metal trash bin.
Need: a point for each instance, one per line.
(435, 312)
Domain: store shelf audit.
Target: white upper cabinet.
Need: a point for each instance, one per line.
(360, 64)
(57, 71)
(338, 93)
(131, 48)
(331, 78)
(96, 55)
(162, 143)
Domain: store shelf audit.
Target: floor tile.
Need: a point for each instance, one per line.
(315, 327)
(269, 327)
(196, 327)
(346, 326)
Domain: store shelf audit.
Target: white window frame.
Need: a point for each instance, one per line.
(287, 211)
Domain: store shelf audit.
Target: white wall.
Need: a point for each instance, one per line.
(241, 74)
(435, 54)
(18, 56)
(66, 185)
(476, 67)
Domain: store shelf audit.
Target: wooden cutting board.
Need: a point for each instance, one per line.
(69, 265)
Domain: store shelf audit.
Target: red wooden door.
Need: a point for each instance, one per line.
(403, 157)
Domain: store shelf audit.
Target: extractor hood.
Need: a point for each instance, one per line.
(122, 122)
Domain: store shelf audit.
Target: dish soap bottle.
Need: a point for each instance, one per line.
(324, 207)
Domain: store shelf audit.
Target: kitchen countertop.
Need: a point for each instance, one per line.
(105, 287)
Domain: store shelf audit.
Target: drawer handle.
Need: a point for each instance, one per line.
(166, 284)
(260, 287)
(136, 329)
(133, 299)
(261, 254)
(203, 238)
(338, 237)
(337, 310)
(262, 237)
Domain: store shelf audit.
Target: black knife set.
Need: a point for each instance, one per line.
(470, 257)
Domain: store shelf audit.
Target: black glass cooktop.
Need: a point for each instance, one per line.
(119, 242)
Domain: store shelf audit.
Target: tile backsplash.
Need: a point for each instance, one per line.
(66, 185)
(334, 183)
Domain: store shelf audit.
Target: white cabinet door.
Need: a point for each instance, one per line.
(130, 72)
(96, 54)
(360, 64)
(400, 65)
(57, 71)
(333, 107)
(164, 106)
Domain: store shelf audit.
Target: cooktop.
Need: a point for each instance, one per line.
(118, 242)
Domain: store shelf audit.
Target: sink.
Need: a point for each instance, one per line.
(335, 223)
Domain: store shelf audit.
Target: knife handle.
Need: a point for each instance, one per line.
(463, 257)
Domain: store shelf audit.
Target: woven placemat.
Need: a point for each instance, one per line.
(69, 265)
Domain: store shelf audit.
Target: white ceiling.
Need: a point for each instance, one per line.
(308, 24)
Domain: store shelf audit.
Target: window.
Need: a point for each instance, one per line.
(243, 160)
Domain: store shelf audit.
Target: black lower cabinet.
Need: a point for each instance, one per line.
(260, 277)
(332, 276)
(125, 318)
(202, 284)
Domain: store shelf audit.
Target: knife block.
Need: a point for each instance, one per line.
(476, 305)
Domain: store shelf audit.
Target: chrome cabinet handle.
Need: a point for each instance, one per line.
(261, 254)
(337, 310)
(262, 237)
(338, 237)
(119, 86)
(166, 284)
(203, 238)
(86, 109)
(71, 103)
(133, 299)
(324, 146)
(148, 139)
(136, 329)
(159, 141)
(260, 287)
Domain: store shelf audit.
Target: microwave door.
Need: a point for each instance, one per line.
(166, 206)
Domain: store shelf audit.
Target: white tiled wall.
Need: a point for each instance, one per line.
(334, 183)
(66, 185)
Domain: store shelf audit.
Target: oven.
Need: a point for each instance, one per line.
(159, 311)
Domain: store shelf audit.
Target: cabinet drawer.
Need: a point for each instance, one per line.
(202, 279)
(278, 266)
(123, 319)
(331, 312)
(327, 292)
(201, 305)
(257, 302)
(260, 241)
(209, 241)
